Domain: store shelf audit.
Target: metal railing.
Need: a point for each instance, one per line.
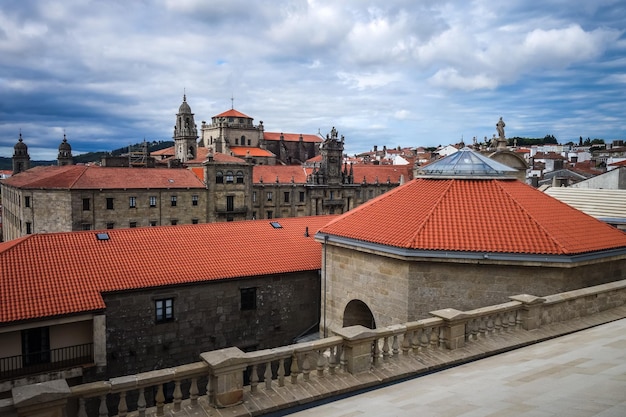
(44, 361)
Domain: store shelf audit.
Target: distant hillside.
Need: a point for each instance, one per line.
(7, 163)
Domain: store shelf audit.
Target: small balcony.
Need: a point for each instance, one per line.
(45, 361)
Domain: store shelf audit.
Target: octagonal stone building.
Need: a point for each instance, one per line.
(464, 234)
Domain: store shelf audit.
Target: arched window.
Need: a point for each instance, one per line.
(229, 177)
(219, 177)
(239, 177)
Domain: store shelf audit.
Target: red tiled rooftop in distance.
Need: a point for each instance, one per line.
(243, 151)
(233, 113)
(94, 177)
(500, 216)
(382, 173)
(292, 137)
(284, 173)
(77, 267)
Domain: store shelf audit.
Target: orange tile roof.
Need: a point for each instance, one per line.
(83, 177)
(233, 113)
(504, 216)
(382, 172)
(292, 137)
(242, 151)
(77, 267)
(269, 173)
(164, 151)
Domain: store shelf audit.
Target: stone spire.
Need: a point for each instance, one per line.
(185, 133)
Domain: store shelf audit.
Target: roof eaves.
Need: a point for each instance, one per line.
(484, 256)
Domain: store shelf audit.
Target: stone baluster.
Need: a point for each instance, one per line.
(193, 392)
(434, 337)
(103, 410)
(490, 326)
(210, 392)
(482, 327)
(332, 360)
(254, 379)
(122, 407)
(386, 352)
(375, 351)
(178, 395)
(267, 376)
(424, 338)
(306, 368)
(82, 412)
(343, 362)
(518, 319)
(294, 369)
(141, 402)
(321, 363)
(406, 342)
(415, 341)
(160, 400)
(497, 323)
(280, 374)
(442, 337)
(504, 321)
(395, 347)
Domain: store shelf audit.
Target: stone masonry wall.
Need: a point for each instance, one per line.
(207, 316)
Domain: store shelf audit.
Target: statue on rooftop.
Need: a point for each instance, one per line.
(500, 127)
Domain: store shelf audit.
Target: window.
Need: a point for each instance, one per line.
(109, 203)
(286, 196)
(194, 221)
(173, 222)
(248, 299)
(36, 346)
(254, 196)
(229, 177)
(27, 201)
(86, 204)
(254, 215)
(302, 196)
(194, 200)
(219, 177)
(29, 228)
(86, 226)
(269, 196)
(173, 200)
(332, 195)
(132, 224)
(153, 222)
(164, 310)
(270, 214)
(152, 201)
(237, 141)
(230, 203)
(110, 225)
(132, 202)
(239, 177)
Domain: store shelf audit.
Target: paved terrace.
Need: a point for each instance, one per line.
(531, 356)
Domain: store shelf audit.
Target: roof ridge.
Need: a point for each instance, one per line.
(413, 239)
(85, 167)
(523, 209)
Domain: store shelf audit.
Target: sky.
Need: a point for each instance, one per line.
(396, 72)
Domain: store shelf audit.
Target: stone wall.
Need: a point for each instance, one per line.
(399, 290)
(207, 316)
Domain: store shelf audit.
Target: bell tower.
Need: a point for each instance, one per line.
(185, 133)
(331, 151)
(21, 159)
(65, 153)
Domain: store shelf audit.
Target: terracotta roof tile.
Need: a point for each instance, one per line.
(503, 216)
(382, 173)
(83, 177)
(269, 173)
(233, 113)
(78, 267)
(292, 137)
(242, 151)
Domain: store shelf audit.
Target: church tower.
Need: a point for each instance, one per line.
(21, 159)
(65, 153)
(185, 133)
(331, 151)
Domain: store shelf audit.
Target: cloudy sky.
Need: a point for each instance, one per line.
(394, 72)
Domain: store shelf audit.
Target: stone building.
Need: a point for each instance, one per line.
(201, 184)
(123, 301)
(463, 234)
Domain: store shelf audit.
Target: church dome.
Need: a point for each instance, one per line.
(64, 146)
(184, 107)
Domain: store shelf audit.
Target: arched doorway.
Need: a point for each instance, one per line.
(358, 313)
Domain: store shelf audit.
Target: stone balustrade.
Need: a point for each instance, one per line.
(394, 352)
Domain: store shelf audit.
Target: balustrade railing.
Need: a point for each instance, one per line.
(46, 360)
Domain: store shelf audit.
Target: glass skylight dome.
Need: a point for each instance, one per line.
(466, 163)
